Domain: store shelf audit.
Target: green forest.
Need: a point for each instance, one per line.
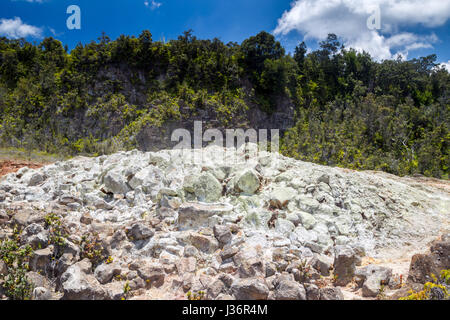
(350, 110)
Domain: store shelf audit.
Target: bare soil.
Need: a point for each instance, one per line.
(8, 166)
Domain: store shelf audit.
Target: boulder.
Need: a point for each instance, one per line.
(371, 278)
(344, 265)
(280, 196)
(77, 284)
(40, 293)
(423, 265)
(41, 259)
(290, 290)
(325, 178)
(222, 234)
(207, 188)
(104, 273)
(323, 264)
(153, 274)
(312, 291)
(228, 252)
(116, 183)
(194, 215)
(250, 289)
(35, 179)
(186, 265)
(139, 231)
(283, 226)
(331, 293)
(205, 244)
(248, 182)
(190, 251)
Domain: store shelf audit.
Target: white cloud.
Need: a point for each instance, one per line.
(446, 65)
(15, 28)
(348, 19)
(152, 4)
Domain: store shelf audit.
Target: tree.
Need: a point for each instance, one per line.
(299, 54)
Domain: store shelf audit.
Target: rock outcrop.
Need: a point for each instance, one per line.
(161, 226)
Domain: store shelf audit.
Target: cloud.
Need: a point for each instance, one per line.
(349, 20)
(446, 65)
(15, 28)
(152, 4)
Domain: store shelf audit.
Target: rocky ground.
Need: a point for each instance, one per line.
(136, 225)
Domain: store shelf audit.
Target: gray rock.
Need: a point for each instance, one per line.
(207, 188)
(153, 274)
(41, 293)
(250, 289)
(228, 252)
(190, 251)
(344, 265)
(222, 234)
(32, 229)
(77, 284)
(280, 196)
(194, 215)
(312, 291)
(290, 290)
(116, 183)
(35, 179)
(331, 293)
(283, 226)
(205, 244)
(325, 178)
(139, 231)
(149, 179)
(323, 264)
(86, 218)
(371, 287)
(271, 269)
(114, 290)
(104, 273)
(66, 260)
(40, 260)
(186, 265)
(294, 218)
(371, 278)
(38, 280)
(214, 288)
(39, 240)
(248, 181)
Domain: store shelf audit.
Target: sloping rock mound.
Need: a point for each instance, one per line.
(228, 226)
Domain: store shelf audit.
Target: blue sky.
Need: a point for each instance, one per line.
(407, 27)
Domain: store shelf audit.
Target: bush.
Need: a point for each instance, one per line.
(16, 284)
(436, 290)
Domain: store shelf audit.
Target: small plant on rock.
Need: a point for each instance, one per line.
(305, 270)
(438, 289)
(58, 235)
(16, 284)
(126, 290)
(196, 295)
(92, 249)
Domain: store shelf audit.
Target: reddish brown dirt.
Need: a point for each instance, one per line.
(8, 166)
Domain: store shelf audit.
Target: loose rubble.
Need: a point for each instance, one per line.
(136, 225)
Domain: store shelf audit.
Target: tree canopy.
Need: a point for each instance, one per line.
(350, 110)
